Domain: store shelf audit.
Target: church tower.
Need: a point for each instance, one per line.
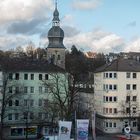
(56, 48)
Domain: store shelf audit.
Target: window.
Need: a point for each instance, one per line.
(134, 86)
(25, 76)
(110, 124)
(32, 76)
(110, 110)
(46, 115)
(128, 87)
(58, 58)
(25, 89)
(134, 124)
(127, 110)
(115, 110)
(46, 76)
(17, 90)
(110, 99)
(114, 124)
(110, 87)
(10, 102)
(10, 89)
(127, 98)
(16, 131)
(115, 87)
(40, 76)
(31, 102)
(134, 75)
(110, 75)
(10, 76)
(16, 102)
(106, 75)
(40, 115)
(40, 89)
(32, 89)
(16, 116)
(17, 76)
(128, 74)
(25, 115)
(10, 116)
(115, 75)
(134, 98)
(115, 99)
(46, 90)
(31, 115)
(106, 99)
(25, 102)
(40, 102)
(134, 109)
(104, 87)
(106, 124)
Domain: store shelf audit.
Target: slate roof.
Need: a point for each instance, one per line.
(122, 65)
(56, 31)
(27, 65)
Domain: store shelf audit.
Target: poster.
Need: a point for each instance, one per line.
(64, 130)
(82, 129)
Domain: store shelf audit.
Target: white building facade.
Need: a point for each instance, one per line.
(27, 82)
(117, 96)
(26, 110)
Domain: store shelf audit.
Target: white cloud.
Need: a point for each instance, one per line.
(13, 10)
(133, 46)
(67, 19)
(97, 41)
(85, 4)
(9, 42)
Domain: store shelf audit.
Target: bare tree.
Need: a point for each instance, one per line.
(129, 108)
(7, 95)
(58, 91)
(30, 50)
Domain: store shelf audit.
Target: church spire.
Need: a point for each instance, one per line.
(55, 4)
(56, 19)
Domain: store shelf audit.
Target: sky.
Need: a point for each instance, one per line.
(92, 25)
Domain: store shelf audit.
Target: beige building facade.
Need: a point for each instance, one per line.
(117, 97)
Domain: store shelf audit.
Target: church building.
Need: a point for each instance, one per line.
(56, 48)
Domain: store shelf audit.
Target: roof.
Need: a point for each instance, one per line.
(120, 64)
(27, 65)
(56, 31)
(56, 15)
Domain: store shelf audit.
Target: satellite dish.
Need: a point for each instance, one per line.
(127, 129)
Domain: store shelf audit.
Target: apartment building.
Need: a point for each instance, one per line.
(116, 96)
(28, 92)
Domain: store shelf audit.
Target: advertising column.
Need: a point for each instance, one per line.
(64, 130)
(82, 129)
